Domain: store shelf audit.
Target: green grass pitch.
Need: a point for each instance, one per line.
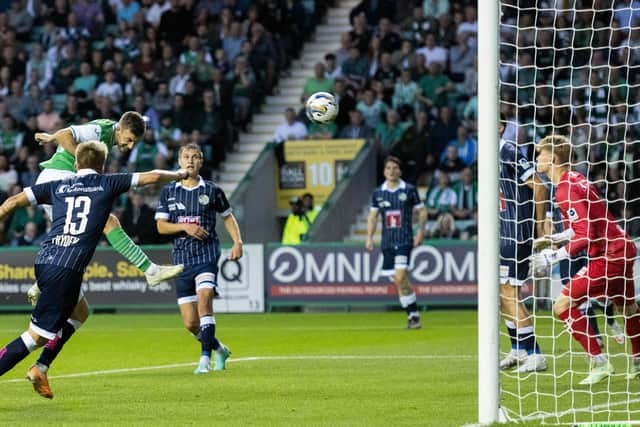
(328, 369)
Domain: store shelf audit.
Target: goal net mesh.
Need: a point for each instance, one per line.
(572, 67)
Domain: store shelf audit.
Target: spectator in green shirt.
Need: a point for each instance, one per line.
(21, 217)
(391, 131)
(86, 81)
(317, 83)
(434, 87)
(322, 130)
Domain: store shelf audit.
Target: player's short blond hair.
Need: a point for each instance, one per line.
(91, 155)
(192, 146)
(557, 145)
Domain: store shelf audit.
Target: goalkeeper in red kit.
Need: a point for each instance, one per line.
(610, 251)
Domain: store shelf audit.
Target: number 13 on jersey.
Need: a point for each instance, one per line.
(77, 214)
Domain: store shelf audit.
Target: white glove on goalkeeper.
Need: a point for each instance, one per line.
(541, 262)
(553, 239)
(33, 294)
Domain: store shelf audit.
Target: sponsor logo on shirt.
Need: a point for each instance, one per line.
(65, 240)
(78, 187)
(572, 214)
(189, 220)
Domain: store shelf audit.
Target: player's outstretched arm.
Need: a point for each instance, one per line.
(159, 176)
(12, 203)
(372, 222)
(540, 199)
(63, 137)
(233, 229)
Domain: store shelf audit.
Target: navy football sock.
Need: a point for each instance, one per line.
(15, 351)
(54, 346)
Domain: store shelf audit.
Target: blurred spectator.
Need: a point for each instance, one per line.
(290, 130)
(147, 154)
(232, 41)
(38, 62)
(404, 93)
(19, 19)
(390, 41)
(297, 225)
(49, 119)
(22, 217)
(386, 74)
(210, 123)
(345, 100)
(360, 35)
(73, 32)
(29, 237)
(332, 69)
(440, 202)
(86, 81)
(8, 176)
(13, 102)
(344, 51)
(10, 138)
(355, 69)
(466, 146)
(371, 109)
(466, 195)
(415, 27)
(470, 25)
(242, 80)
(461, 57)
(31, 102)
(71, 112)
(154, 13)
(435, 8)
(110, 88)
(390, 131)
(162, 99)
(136, 220)
(307, 203)
(356, 128)
(172, 23)
(322, 130)
(128, 10)
(434, 87)
(443, 130)
(28, 177)
(167, 133)
(318, 83)
(451, 165)
(373, 10)
(405, 57)
(433, 52)
(89, 15)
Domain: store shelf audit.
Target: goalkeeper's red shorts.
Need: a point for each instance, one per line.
(603, 277)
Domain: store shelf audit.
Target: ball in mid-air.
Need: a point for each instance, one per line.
(321, 107)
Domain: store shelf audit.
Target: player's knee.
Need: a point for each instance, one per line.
(400, 277)
(112, 223)
(192, 325)
(81, 311)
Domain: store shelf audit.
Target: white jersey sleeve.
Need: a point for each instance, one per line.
(83, 133)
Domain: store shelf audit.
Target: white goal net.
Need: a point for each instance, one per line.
(572, 68)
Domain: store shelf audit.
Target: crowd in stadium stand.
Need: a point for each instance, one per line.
(405, 77)
(575, 72)
(196, 68)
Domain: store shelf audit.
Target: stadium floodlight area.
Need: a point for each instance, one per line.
(557, 67)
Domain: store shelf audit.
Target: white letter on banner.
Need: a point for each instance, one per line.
(352, 268)
(366, 267)
(378, 269)
(419, 267)
(328, 268)
(280, 273)
(467, 268)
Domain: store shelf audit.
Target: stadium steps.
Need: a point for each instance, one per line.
(261, 130)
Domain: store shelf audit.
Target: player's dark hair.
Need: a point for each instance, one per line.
(133, 121)
(91, 155)
(190, 146)
(393, 159)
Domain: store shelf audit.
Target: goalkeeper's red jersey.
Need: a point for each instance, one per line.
(595, 228)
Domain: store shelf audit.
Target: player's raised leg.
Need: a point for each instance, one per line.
(122, 243)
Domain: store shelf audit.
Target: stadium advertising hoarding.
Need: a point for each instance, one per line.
(314, 167)
(111, 282)
(442, 273)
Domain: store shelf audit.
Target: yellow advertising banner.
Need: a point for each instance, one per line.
(314, 167)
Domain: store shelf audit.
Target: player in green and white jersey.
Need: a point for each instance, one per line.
(124, 134)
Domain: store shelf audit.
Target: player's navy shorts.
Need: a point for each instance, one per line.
(59, 287)
(514, 263)
(396, 258)
(194, 278)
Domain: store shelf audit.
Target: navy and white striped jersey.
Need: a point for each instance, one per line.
(516, 198)
(396, 207)
(81, 207)
(197, 205)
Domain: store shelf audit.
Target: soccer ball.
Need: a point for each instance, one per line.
(321, 107)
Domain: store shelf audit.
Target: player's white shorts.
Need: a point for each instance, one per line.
(49, 175)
